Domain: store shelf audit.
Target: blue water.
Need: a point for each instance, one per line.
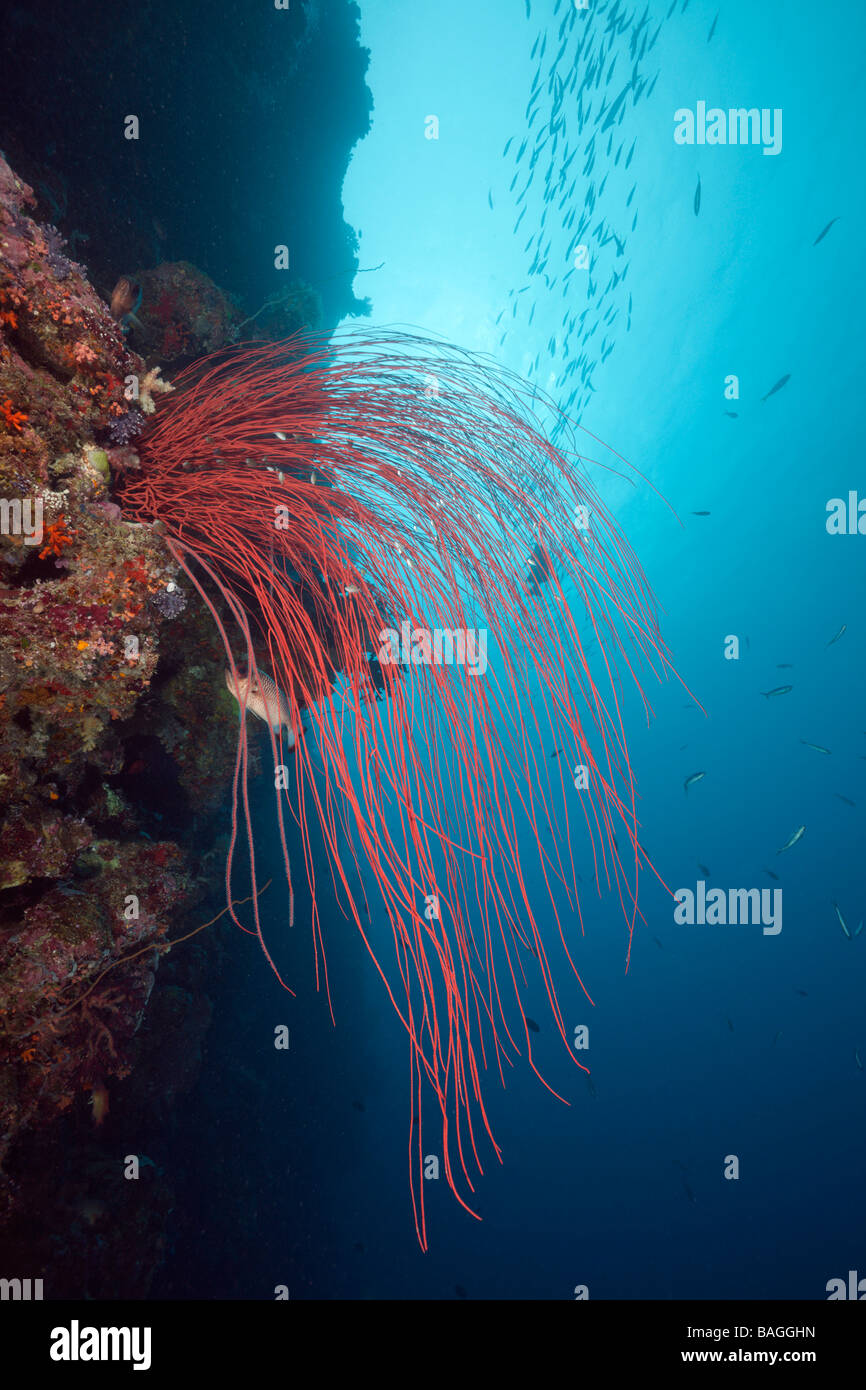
(720, 1040)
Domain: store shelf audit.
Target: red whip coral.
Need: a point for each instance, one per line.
(321, 496)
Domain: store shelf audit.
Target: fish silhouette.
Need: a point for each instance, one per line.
(783, 381)
(821, 235)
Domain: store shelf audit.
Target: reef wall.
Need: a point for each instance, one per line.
(118, 737)
(116, 747)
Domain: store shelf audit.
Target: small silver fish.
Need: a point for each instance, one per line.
(838, 635)
(778, 386)
(278, 434)
(777, 690)
(842, 923)
(690, 781)
(821, 235)
(264, 699)
(797, 835)
(857, 1059)
(817, 747)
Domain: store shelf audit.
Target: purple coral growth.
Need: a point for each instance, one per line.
(61, 265)
(170, 601)
(125, 428)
